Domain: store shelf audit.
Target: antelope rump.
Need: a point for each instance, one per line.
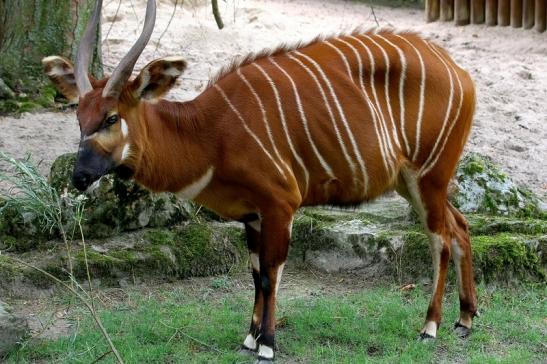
(338, 120)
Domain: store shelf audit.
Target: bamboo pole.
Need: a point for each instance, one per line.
(447, 10)
(541, 11)
(477, 11)
(491, 13)
(516, 13)
(432, 10)
(461, 12)
(504, 12)
(528, 16)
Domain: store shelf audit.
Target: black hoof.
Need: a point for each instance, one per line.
(243, 350)
(425, 337)
(461, 331)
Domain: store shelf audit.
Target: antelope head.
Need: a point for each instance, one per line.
(109, 113)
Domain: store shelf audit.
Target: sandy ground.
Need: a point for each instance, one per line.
(509, 67)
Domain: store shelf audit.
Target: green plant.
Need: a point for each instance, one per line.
(30, 193)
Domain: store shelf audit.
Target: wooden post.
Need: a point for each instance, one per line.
(528, 14)
(432, 10)
(491, 14)
(461, 12)
(447, 10)
(477, 11)
(503, 12)
(540, 15)
(516, 13)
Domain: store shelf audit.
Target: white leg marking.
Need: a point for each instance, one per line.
(255, 262)
(193, 190)
(265, 352)
(457, 255)
(284, 124)
(434, 161)
(249, 131)
(264, 116)
(290, 228)
(250, 342)
(324, 164)
(348, 130)
(278, 277)
(344, 121)
(381, 119)
(373, 111)
(255, 224)
(126, 151)
(386, 87)
(447, 115)
(436, 246)
(402, 79)
(124, 128)
(430, 328)
(421, 101)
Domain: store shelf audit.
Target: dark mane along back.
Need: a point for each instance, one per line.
(237, 62)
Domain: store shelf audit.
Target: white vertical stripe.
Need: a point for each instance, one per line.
(344, 120)
(329, 110)
(456, 117)
(382, 121)
(402, 79)
(324, 164)
(350, 133)
(386, 87)
(284, 124)
(373, 111)
(248, 130)
(264, 118)
(447, 114)
(344, 59)
(421, 101)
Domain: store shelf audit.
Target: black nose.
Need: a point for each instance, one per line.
(81, 181)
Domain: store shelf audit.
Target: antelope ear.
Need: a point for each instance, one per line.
(157, 77)
(61, 72)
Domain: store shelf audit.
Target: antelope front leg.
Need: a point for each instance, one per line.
(273, 254)
(252, 231)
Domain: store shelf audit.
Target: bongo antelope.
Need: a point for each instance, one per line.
(338, 120)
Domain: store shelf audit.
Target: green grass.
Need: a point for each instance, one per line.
(377, 325)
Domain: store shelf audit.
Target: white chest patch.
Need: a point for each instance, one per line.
(194, 189)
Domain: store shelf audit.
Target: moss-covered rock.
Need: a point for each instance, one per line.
(504, 249)
(483, 187)
(191, 249)
(13, 329)
(118, 205)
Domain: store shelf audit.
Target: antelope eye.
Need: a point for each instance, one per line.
(111, 120)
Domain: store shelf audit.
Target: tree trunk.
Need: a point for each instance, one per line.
(33, 29)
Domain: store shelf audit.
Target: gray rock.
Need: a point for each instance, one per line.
(483, 187)
(390, 244)
(12, 329)
(118, 205)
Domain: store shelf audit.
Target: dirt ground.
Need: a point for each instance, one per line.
(509, 67)
(51, 313)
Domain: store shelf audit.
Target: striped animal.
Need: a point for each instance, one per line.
(338, 120)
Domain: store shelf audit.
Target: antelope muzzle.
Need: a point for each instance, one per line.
(90, 166)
